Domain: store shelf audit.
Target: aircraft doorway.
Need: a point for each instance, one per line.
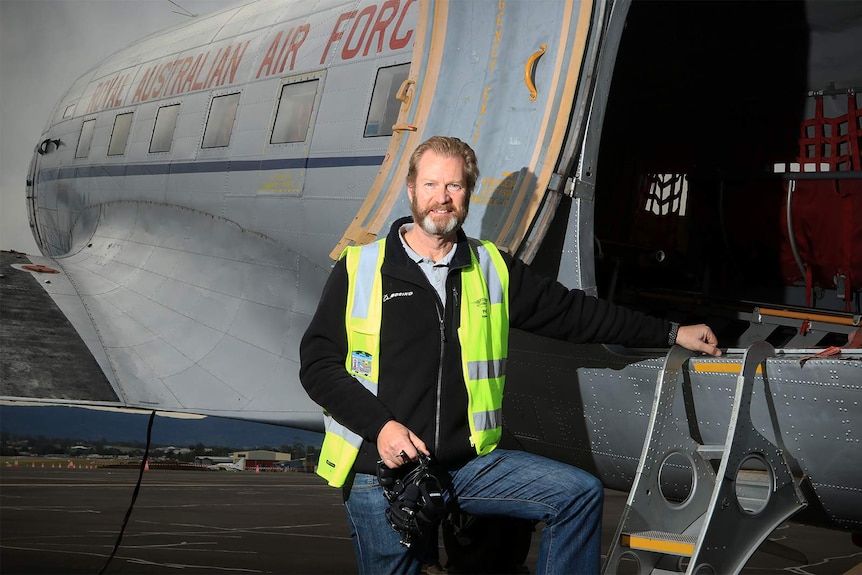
(690, 214)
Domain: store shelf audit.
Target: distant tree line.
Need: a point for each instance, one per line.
(25, 445)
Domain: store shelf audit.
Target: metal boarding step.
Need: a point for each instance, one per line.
(810, 327)
(738, 494)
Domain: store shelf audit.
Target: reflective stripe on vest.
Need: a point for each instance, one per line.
(484, 336)
(364, 300)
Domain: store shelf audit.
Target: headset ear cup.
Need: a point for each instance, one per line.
(433, 505)
(400, 518)
(385, 476)
(410, 496)
(415, 498)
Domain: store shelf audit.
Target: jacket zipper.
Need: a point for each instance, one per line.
(439, 380)
(441, 317)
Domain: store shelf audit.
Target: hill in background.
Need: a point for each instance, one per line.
(119, 427)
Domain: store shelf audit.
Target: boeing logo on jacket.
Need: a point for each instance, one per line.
(390, 296)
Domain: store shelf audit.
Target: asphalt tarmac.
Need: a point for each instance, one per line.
(59, 520)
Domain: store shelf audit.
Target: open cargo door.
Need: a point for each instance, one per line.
(506, 77)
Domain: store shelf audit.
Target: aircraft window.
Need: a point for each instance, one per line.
(220, 122)
(70, 110)
(163, 132)
(383, 112)
(666, 194)
(120, 135)
(83, 149)
(294, 112)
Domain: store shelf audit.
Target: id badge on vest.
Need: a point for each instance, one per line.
(360, 363)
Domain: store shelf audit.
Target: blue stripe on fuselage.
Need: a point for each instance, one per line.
(116, 170)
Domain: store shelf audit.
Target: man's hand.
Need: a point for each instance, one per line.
(395, 441)
(698, 338)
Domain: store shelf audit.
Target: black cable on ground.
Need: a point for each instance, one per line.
(134, 494)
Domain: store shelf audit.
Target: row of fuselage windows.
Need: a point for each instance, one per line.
(292, 119)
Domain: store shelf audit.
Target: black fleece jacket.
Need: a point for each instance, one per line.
(421, 384)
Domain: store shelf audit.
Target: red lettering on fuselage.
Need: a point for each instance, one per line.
(107, 94)
(114, 98)
(223, 70)
(396, 43)
(217, 67)
(270, 58)
(159, 82)
(298, 38)
(139, 90)
(184, 66)
(337, 33)
(275, 63)
(367, 15)
(234, 62)
(197, 84)
(379, 28)
(185, 74)
(367, 34)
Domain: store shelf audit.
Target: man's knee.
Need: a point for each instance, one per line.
(586, 489)
(595, 486)
(596, 491)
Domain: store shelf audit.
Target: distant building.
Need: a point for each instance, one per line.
(170, 450)
(260, 457)
(212, 460)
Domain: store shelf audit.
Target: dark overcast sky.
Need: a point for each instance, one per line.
(44, 46)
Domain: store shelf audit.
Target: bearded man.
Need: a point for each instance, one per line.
(407, 351)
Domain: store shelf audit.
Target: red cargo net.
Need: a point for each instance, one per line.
(827, 212)
(832, 141)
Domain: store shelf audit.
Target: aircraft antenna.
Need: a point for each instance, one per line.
(184, 12)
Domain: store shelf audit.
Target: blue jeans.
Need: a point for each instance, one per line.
(512, 483)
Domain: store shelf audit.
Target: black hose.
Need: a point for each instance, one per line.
(134, 494)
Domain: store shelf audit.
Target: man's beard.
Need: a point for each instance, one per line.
(452, 224)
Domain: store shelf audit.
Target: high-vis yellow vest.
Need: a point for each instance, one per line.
(484, 337)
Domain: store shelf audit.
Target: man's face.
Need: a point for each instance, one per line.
(439, 199)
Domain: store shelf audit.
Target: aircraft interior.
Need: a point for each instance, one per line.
(702, 128)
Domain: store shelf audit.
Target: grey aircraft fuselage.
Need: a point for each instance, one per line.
(194, 188)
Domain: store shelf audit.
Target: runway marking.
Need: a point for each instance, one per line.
(210, 530)
(183, 566)
(135, 560)
(189, 547)
(825, 561)
(236, 534)
(251, 528)
(55, 508)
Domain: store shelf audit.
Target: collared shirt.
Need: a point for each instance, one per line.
(436, 272)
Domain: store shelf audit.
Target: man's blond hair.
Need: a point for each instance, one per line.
(448, 147)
